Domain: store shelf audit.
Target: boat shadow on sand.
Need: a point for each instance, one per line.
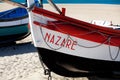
(17, 49)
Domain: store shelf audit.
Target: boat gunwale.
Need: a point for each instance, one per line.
(76, 22)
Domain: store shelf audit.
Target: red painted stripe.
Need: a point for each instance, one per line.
(80, 32)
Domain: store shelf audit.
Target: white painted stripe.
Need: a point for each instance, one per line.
(13, 23)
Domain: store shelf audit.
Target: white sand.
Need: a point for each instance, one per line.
(85, 12)
(6, 6)
(89, 12)
(21, 61)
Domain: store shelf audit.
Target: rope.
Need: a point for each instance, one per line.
(93, 46)
(118, 52)
(84, 35)
(46, 71)
(108, 39)
(48, 44)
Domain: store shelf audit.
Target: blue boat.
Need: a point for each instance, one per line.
(13, 25)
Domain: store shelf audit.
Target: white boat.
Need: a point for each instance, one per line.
(73, 48)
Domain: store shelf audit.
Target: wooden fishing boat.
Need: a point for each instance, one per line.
(13, 25)
(73, 48)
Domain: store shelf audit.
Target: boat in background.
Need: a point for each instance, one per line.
(13, 25)
(75, 48)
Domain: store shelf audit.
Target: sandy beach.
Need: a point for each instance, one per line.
(89, 12)
(6, 6)
(20, 61)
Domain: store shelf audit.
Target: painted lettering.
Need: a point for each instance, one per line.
(68, 43)
(52, 39)
(73, 44)
(63, 42)
(60, 41)
(47, 36)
